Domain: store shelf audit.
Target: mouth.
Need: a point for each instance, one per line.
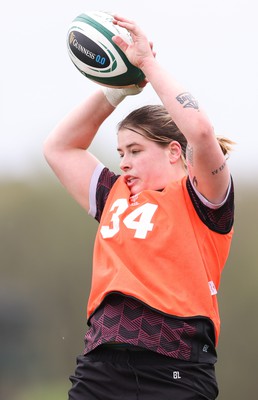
(129, 180)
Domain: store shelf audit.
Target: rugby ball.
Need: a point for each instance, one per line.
(95, 55)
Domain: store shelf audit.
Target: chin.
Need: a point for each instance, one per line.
(135, 190)
(138, 189)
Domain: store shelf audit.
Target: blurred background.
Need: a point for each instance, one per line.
(46, 239)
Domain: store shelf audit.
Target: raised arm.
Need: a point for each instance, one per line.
(66, 147)
(206, 163)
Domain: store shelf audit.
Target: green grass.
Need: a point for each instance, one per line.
(56, 391)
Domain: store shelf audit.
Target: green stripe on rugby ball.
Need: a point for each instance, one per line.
(133, 76)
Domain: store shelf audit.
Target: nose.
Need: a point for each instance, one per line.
(124, 163)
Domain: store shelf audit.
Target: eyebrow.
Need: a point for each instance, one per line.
(128, 146)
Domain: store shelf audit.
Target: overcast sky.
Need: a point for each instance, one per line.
(210, 46)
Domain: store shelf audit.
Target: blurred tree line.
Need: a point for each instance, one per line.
(46, 242)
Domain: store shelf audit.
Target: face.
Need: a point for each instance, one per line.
(144, 163)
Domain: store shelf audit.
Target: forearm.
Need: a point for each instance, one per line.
(79, 127)
(181, 105)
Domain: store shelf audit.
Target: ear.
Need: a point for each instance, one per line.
(175, 151)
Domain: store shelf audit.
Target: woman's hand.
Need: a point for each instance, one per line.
(140, 49)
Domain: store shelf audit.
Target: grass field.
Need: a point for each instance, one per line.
(46, 392)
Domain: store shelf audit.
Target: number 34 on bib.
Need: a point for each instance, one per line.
(138, 220)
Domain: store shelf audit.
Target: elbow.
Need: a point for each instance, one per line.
(203, 131)
(46, 149)
(49, 151)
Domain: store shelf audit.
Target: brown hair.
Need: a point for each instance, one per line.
(156, 124)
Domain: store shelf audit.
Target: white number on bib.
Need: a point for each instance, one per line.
(106, 231)
(138, 220)
(144, 224)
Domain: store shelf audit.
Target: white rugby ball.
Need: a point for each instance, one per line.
(92, 51)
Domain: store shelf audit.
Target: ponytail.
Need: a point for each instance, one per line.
(226, 144)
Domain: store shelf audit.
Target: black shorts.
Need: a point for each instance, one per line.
(127, 374)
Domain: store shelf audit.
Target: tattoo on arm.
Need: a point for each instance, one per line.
(187, 100)
(189, 154)
(216, 171)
